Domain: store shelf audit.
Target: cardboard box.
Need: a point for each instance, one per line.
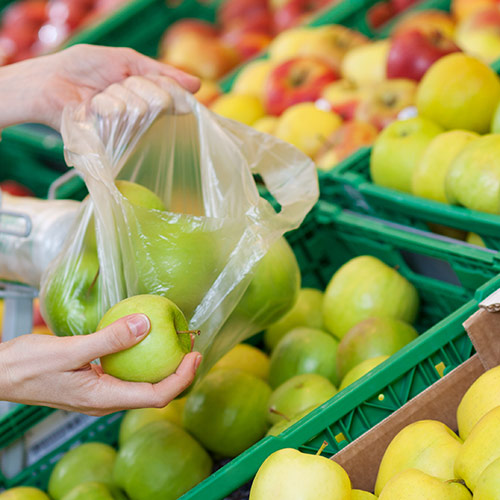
(362, 457)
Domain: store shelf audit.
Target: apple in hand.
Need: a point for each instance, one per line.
(307, 127)
(161, 351)
(297, 394)
(297, 80)
(384, 102)
(429, 177)
(398, 150)
(412, 53)
(347, 139)
(365, 287)
(473, 179)
(459, 92)
(289, 474)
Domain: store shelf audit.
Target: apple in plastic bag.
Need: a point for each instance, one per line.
(227, 411)
(159, 354)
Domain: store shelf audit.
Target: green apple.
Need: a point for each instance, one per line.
(398, 150)
(178, 258)
(227, 411)
(429, 177)
(161, 462)
(459, 92)
(307, 311)
(136, 419)
(361, 370)
(159, 354)
(274, 287)
(371, 338)
(88, 462)
(247, 358)
(285, 423)
(365, 288)
(289, 474)
(427, 445)
(89, 491)
(23, 493)
(474, 175)
(297, 394)
(71, 296)
(304, 350)
(495, 121)
(139, 195)
(413, 484)
(488, 484)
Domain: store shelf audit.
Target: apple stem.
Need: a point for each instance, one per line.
(457, 481)
(191, 332)
(276, 412)
(322, 447)
(94, 281)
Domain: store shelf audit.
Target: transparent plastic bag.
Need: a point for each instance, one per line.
(202, 250)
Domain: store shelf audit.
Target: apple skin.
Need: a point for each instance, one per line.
(161, 352)
(488, 483)
(385, 100)
(267, 124)
(23, 493)
(412, 53)
(307, 127)
(139, 195)
(365, 287)
(246, 358)
(307, 311)
(413, 484)
(429, 177)
(462, 9)
(371, 338)
(183, 26)
(15, 188)
(252, 78)
(294, 12)
(459, 92)
(426, 21)
(85, 463)
(283, 424)
(473, 178)
(398, 150)
(343, 97)
(380, 13)
(288, 473)
(347, 139)
(247, 43)
(362, 495)
(297, 394)
(71, 296)
(227, 411)
(295, 81)
(361, 370)
(93, 490)
(209, 91)
(245, 108)
(160, 461)
(304, 350)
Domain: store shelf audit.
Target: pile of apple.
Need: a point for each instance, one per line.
(424, 460)
(32, 27)
(449, 152)
(243, 28)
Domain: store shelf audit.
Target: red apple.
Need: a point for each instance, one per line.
(412, 53)
(37, 315)
(297, 80)
(427, 21)
(15, 188)
(28, 12)
(380, 13)
(294, 12)
(259, 20)
(250, 44)
(18, 39)
(69, 12)
(180, 28)
(343, 97)
(239, 9)
(401, 5)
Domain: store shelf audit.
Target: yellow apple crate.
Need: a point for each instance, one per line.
(32, 442)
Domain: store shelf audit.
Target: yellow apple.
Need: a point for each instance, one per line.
(251, 79)
(361, 370)
(366, 65)
(244, 108)
(344, 97)
(266, 124)
(208, 92)
(475, 239)
(426, 21)
(307, 127)
(459, 92)
(362, 495)
(488, 484)
(429, 176)
(246, 358)
(462, 9)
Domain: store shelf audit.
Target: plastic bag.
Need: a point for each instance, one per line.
(202, 250)
(32, 233)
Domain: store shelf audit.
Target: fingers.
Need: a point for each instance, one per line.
(116, 395)
(120, 335)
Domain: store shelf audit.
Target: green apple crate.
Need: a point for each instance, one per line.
(361, 195)
(327, 239)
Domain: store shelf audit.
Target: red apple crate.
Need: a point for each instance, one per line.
(360, 194)
(327, 239)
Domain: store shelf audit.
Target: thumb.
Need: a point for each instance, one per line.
(120, 335)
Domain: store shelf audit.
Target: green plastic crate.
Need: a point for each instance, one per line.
(326, 240)
(362, 195)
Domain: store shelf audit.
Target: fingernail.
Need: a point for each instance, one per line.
(138, 324)
(198, 361)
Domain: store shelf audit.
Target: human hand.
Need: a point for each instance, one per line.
(57, 371)
(37, 90)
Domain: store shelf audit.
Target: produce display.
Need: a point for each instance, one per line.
(426, 459)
